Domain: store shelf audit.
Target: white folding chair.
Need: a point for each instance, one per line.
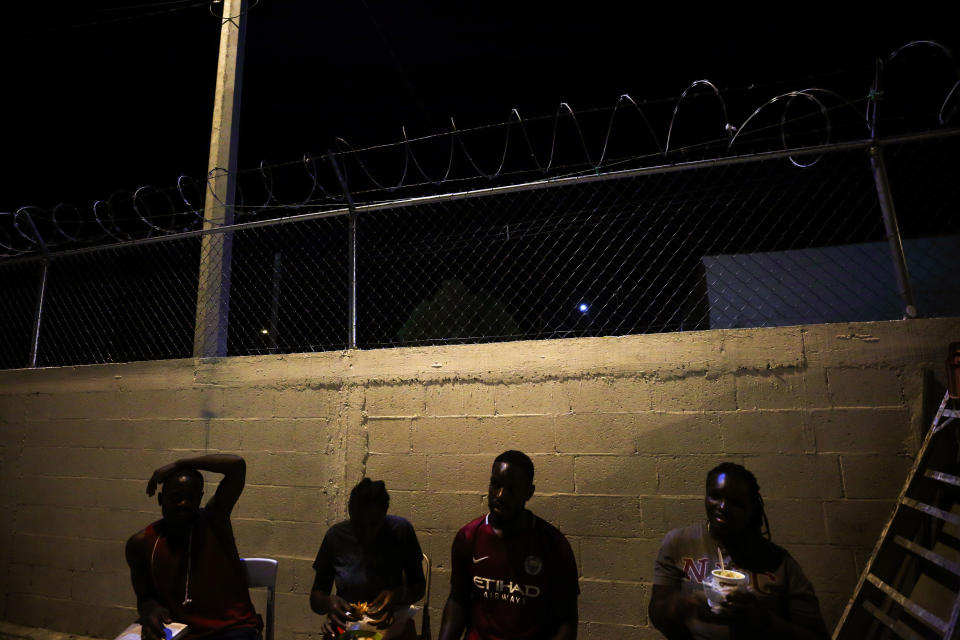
(262, 572)
(425, 606)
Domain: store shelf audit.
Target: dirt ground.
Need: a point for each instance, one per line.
(10, 631)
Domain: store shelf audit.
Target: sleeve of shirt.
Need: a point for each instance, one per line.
(667, 570)
(323, 565)
(803, 607)
(412, 555)
(569, 575)
(460, 581)
(568, 582)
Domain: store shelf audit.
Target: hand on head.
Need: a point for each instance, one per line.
(158, 477)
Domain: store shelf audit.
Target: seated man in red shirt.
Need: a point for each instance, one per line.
(513, 575)
(185, 566)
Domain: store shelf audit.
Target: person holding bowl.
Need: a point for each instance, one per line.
(724, 578)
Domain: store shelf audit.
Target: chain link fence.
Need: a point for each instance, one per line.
(745, 241)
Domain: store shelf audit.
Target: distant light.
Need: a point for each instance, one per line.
(264, 331)
(584, 307)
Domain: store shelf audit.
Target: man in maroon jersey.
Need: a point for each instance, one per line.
(513, 576)
(185, 566)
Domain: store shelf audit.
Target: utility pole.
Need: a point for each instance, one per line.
(885, 198)
(213, 292)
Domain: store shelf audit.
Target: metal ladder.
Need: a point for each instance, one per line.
(910, 587)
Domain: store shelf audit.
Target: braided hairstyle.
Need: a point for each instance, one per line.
(759, 521)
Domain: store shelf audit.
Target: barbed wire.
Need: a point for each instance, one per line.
(134, 12)
(214, 3)
(267, 190)
(171, 6)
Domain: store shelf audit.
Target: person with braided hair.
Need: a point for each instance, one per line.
(375, 561)
(778, 600)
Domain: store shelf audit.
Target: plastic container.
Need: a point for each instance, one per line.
(720, 583)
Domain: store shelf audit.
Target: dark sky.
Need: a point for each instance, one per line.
(103, 96)
(100, 98)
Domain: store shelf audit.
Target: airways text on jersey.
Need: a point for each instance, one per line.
(506, 590)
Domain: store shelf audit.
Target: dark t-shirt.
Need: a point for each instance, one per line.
(520, 587)
(362, 573)
(688, 555)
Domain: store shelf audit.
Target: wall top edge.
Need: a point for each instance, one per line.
(892, 344)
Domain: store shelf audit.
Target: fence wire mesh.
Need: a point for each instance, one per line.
(927, 197)
(290, 288)
(120, 304)
(609, 257)
(734, 242)
(20, 285)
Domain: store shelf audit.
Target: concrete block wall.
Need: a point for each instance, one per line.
(621, 430)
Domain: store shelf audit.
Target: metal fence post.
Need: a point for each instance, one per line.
(882, 182)
(275, 301)
(351, 255)
(893, 231)
(38, 314)
(41, 293)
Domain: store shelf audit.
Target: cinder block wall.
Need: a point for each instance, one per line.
(622, 431)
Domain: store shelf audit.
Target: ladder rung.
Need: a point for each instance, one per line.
(942, 477)
(909, 605)
(946, 516)
(948, 414)
(896, 626)
(932, 556)
(938, 426)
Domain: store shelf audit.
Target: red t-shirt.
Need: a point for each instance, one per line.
(217, 588)
(520, 587)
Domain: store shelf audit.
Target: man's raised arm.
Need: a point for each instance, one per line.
(233, 468)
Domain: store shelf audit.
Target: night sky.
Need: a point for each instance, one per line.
(104, 96)
(101, 98)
